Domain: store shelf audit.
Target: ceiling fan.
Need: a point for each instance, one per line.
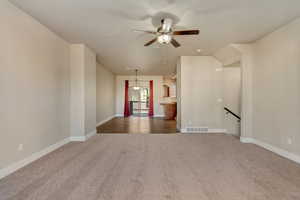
(165, 33)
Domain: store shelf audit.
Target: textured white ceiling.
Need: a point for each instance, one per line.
(106, 26)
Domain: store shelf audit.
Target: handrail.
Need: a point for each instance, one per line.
(229, 111)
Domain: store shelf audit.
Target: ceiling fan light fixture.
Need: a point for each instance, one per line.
(164, 39)
(164, 33)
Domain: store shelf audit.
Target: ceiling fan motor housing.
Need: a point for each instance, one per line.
(164, 33)
(166, 26)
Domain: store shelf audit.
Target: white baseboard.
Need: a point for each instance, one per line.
(106, 120)
(119, 115)
(78, 138)
(246, 140)
(184, 130)
(35, 156)
(91, 134)
(19, 164)
(279, 151)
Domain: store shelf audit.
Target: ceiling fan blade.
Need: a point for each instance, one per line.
(175, 43)
(187, 32)
(143, 31)
(150, 42)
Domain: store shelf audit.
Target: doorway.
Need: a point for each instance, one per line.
(139, 101)
(232, 98)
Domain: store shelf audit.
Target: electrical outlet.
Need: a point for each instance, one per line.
(20, 147)
(289, 141)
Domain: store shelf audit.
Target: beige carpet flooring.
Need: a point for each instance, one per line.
(156, 167)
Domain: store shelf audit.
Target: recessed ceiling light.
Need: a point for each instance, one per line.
(199, 50)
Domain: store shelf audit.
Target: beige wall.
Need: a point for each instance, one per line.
(34, 86)
(83, 90)
(158, 92)
(178, 93)
(77, 100)
(105, 94)
(201, 92)
(90, 90)
(276, 88)
(247, 53)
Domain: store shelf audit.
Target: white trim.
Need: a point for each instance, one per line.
(78, 138)
(106, 120)
(277, 150)
(246, 140)
(83, 138)
(184, 130)
(91, 134)
(33, 157)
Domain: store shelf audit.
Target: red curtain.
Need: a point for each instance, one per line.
(126, 103)
(151, 112)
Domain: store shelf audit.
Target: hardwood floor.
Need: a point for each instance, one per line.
(156, 167)
(137, 125)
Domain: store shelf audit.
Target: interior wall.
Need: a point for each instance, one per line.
(83, 90)
(201, 92)
(106, 92)
(77, 100)
(276, 88)
(158, 92)
(34, 86)
(246, 62)
(178, 94)
(90, 90)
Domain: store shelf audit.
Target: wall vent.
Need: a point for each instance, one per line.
(197, 129)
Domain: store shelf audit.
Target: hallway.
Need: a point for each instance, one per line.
(138, 125)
